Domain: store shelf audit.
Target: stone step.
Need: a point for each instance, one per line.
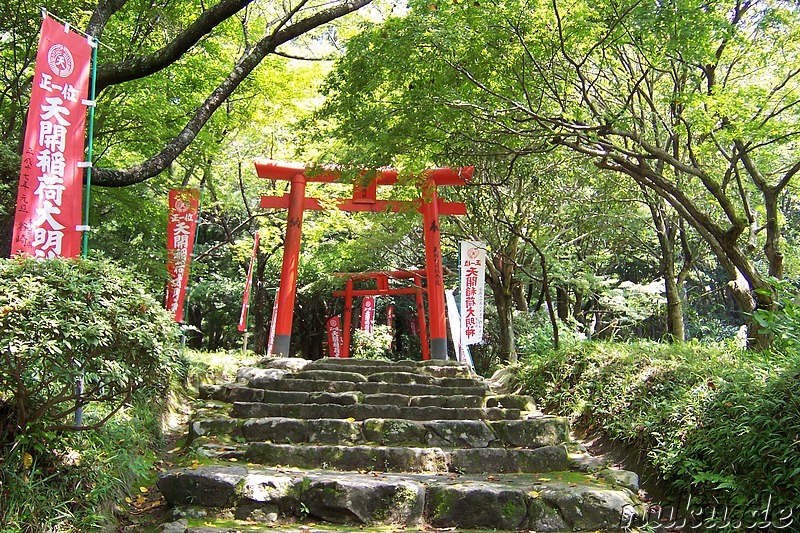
(241, 394)
(268, 496)
(367, 368)
(328, 375)
(401, 458)
(303, 385)
(365, 411)
(237, 392)
(362, 366)
(533, 432)
(396, 377)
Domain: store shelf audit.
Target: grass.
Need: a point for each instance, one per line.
(717, 423)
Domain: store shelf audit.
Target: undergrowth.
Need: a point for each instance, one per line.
(83, 481)
(718, 423)
(73, 482)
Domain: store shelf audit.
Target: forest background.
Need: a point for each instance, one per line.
(636, 179)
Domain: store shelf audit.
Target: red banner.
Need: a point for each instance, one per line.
(334, 327)
(246, 297)
(181, 226)
(50, 181)
(368, 314)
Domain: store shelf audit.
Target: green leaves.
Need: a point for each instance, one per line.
(63, 320)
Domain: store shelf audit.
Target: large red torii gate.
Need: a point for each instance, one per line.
(364, 199)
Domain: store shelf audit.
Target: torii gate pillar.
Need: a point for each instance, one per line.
(291, 257)
(434, 271)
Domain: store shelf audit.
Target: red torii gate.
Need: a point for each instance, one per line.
(383, 289)
(364, 199)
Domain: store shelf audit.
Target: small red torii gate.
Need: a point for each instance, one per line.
(365, 200)
(383, 289)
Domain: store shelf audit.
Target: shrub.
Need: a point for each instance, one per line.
(373, 345)
(64, 320)
(783, 323)
(719, 424)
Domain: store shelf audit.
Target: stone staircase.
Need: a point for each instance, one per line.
(370, 444)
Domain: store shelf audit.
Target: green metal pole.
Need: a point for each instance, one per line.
(92, 91)
(85, 245)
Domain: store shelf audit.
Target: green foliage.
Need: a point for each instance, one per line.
(62, 320)
(373, 345)
(217, 301)
(783, 322)
(717, 423)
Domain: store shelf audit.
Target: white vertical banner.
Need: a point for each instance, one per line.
(473, 281)
(461, 349)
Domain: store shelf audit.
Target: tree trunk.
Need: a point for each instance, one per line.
(675, 325)
(772, 246)
(505, 320)
(666, 232)
(562, 299)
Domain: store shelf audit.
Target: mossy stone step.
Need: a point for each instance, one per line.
(393, 458)
(327, 375)
(552, 502)
(533, 432)
(404, 400)
(370, 368)
(362, 367)
(364, 411)
(302, 385)
(472, 389)
(407, 458)
(305, 385)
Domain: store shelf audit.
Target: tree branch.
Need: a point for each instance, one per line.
(143, 66)
(159, 162)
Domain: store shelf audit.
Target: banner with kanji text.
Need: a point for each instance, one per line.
(368, 314)
(184, 205)
(50, 191)
(248, 282)
(335, 337)
(473, 282)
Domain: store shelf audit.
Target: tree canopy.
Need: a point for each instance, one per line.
(620, 146)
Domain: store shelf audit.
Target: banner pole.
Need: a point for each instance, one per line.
(92, 94)
(189, 274)
(85, 244)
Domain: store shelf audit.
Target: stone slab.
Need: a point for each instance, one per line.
(329, 375)
(302, 385)
(532, 432)
(505, 460)
(555, 502)
(364, 411)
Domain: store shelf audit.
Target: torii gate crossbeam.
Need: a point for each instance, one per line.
(364, 199)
